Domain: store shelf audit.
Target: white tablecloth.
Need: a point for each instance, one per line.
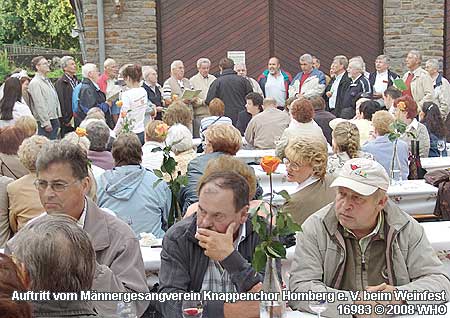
(434, 163)
(254, 155)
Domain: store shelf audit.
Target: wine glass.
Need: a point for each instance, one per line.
(318, 303)
(192, 308)
(441, 146)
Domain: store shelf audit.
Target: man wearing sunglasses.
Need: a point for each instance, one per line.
(63, 182)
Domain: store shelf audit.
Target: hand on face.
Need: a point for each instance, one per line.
(217, 246)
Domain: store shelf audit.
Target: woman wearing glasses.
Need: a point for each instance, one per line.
(306, 163)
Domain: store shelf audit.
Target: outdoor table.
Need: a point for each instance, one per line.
(434, 163)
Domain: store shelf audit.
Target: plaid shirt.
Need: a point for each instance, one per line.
(216, 278)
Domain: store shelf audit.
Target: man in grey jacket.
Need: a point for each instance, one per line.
(363, 242)
(212, 250)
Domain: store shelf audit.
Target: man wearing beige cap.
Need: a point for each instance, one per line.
(363, 241)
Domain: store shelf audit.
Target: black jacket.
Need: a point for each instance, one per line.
(64, 90)
(343, 86)
(91, 96)
(351, 95)
(323, 118)
(184, 263)
(231, 89)
(244, 118)
(391, 77)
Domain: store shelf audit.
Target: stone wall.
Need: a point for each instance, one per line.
(413, 24)
(129, 37)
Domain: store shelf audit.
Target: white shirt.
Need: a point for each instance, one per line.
(19, 109)
(381, 82)
(82, 218)
(275, 88)
(333, 90)
(135, 100)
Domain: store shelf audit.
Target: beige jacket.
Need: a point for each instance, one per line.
(442, 97)
(421, 134)
(320, 257)
(421, 86)
(5, 230)
(45, 100)
(199, 82)
(265, 128)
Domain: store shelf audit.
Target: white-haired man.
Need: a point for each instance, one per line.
(309, 82)
(359, 85)
(91, 95)
(364, 242)
(383, 77)
(64, 87)
(154, 90)
(46, 108)
(418, 82)
(241, 70)
(441, 87)
(201, 81)
(176, 83)
(107, 84)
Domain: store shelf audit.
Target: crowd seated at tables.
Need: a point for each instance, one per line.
(74, 200)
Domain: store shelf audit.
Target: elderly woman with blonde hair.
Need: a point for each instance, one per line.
(180, 138)
(24, 201)
(345, 146)
(306, 163)
(178, 113)
(220, 139)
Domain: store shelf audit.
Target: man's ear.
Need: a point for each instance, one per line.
(382, 202)
(86, 184)
(244, 214)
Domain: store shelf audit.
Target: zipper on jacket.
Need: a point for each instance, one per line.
(363, 262)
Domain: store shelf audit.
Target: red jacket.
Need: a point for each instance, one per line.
(102, 82)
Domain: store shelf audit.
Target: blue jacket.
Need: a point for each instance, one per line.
(382, 149)
(262, 80)
(129, 191)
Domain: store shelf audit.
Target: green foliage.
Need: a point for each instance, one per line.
(269, 245)
(45, 23)
(5, 66)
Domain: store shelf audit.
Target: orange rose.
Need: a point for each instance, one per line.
(174, 96)
(270, 164)
(161, 130)
(123, 114)
(119, 103)
(401, 106)
(81, 132)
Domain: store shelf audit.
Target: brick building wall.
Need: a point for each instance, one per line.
(129, 37)
(413, 24)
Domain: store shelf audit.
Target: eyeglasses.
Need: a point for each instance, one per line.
(293, 165)
(42, 185)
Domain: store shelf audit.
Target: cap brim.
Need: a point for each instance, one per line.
(358, 187)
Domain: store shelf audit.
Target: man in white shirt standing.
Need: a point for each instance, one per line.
(382, 78)
(201, 81)
(441, 87)
(334, 93)
(274, 82)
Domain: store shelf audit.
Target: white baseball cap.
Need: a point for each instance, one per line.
(363, 176)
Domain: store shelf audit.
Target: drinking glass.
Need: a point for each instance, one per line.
(319, 303)
(126, 310)
(192, 308)
(441, 146)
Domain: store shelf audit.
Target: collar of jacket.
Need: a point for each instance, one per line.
(55, 308)
(228, 71)
(438, 81)
(192, 228)
(285, 75)
(89, 82)
(395, 220)
(95, 223)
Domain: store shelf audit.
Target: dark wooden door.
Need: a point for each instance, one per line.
(191, 29)
(327, 28)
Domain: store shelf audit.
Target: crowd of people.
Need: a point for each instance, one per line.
(78, 184)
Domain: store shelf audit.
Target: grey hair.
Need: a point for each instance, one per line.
(434, 63)
(180, 138)
(98, 135)
(269, 101)
(109, 62)
(306, 58)
(82, 142)
(174, 64)
(58, 254)
(342, 60)
(29, 150)
(146, 70)
(86, 68)
(64, 152)
(359, 59)
(203, 60)
(385, 58)
(64, 60)
(356, 64)
(417, 54)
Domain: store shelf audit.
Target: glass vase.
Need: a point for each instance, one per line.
(275, 307)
